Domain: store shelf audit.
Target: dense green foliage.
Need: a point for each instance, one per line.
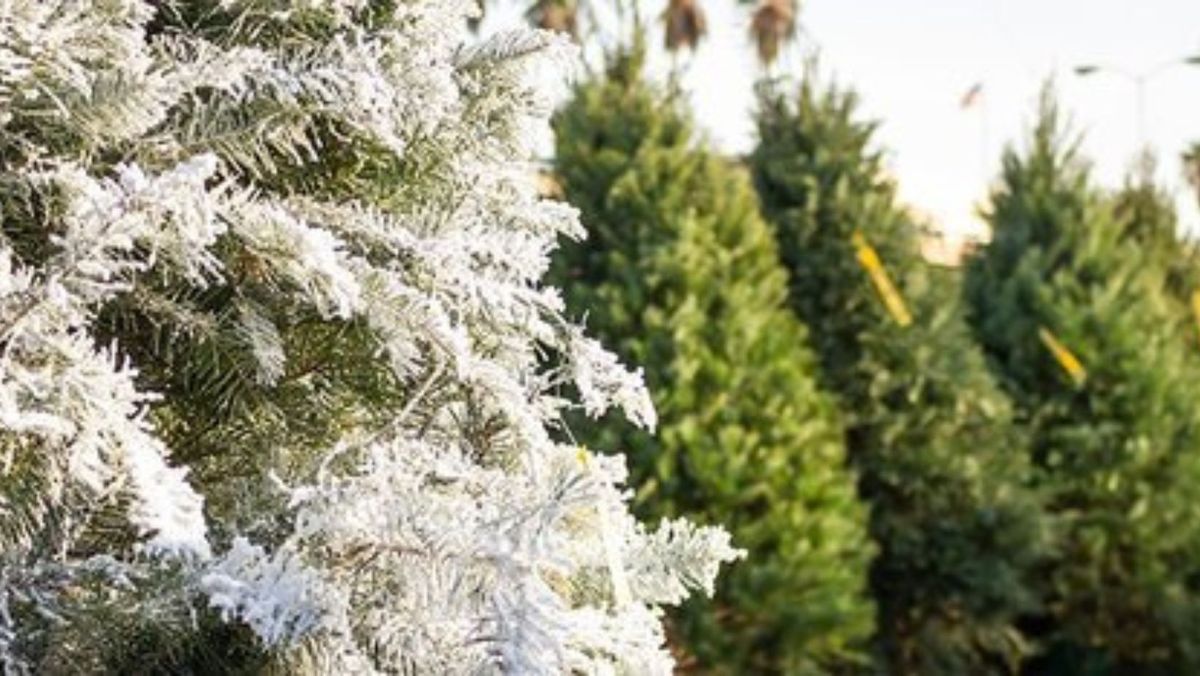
(1118, 454)
(942, 466)
(680, 273)
(1145, 212)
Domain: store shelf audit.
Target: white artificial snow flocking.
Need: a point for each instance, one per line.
(419, 546)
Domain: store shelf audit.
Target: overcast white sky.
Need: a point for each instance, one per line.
(911, 61)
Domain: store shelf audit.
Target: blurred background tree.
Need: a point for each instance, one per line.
(1070, 301)
(1146, 212)
(681, 274)
(942, 465)
(1191, 167)
(684, 23)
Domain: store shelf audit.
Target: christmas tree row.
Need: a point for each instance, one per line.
(987, 470)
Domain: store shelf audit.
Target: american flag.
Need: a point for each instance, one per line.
(972, 96)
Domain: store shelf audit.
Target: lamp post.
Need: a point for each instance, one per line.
(1139, 80)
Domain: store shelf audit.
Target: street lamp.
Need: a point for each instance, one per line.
(1139, 79)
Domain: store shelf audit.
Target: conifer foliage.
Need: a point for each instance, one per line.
(680, 273)
(1146, 214)
(1117, 450)
(1191, 167)
(941, 464)
(279, 383)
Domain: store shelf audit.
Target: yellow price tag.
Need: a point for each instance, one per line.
(620, 580)
(892, 299)
(1065, 358)
(1196, 307)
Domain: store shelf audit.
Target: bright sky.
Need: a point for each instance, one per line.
(912, 61)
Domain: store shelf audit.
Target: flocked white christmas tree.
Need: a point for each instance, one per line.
(171, 163)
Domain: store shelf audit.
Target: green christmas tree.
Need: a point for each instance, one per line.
(942, 465)
(680, 273)
(1071, 302)
(1146, 212)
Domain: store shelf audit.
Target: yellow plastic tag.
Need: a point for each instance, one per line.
(892, 300)
(1196, 307)
(620, 581)
(1063, 356)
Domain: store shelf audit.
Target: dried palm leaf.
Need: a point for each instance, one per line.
(685, 24)
(555, 15)
(773, 24)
